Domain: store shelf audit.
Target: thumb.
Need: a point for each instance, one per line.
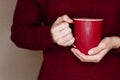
(64, 18)
(97, 49)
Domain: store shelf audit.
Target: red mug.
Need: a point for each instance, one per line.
(87, 33)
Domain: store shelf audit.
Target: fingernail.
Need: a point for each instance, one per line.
(72, 49)
(74, 46)
(90, 52)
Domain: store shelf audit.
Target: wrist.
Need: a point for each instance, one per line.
(115, 41)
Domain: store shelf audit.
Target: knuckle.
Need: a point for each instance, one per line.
(62, 17)
(68, 42)
(66, 24)
(65, 15)
(55, 39)
(69, 29)
(72, 41)
(59, 43)
(107, 38)
(53, 29)
(59, 17)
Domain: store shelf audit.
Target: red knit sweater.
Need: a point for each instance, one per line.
(31, 30)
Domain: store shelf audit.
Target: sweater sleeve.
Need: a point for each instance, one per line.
(28, 30)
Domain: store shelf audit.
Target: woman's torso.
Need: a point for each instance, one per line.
(60, 63)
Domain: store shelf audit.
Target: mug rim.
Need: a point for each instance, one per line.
(88, 19)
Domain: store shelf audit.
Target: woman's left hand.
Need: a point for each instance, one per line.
(97, 53)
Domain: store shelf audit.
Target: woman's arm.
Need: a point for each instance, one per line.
(27, 30)
(116, 42)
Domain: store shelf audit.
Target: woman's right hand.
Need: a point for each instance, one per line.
(61, 32)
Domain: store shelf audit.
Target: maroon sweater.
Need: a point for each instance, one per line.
(31, 30)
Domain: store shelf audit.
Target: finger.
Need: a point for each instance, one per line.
(94, 58)
(62, 34)
(82, 56)
(103, 52)
(63, 18)
(73, 45)
(76, 53)
(85, 58)
(60, 27)
(70, 42)
(98, 57)
(65, 40)
(97, 49)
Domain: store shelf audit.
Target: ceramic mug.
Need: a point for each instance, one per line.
(87, 33)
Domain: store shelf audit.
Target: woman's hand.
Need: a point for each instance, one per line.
(97, 53)
(61, 32)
